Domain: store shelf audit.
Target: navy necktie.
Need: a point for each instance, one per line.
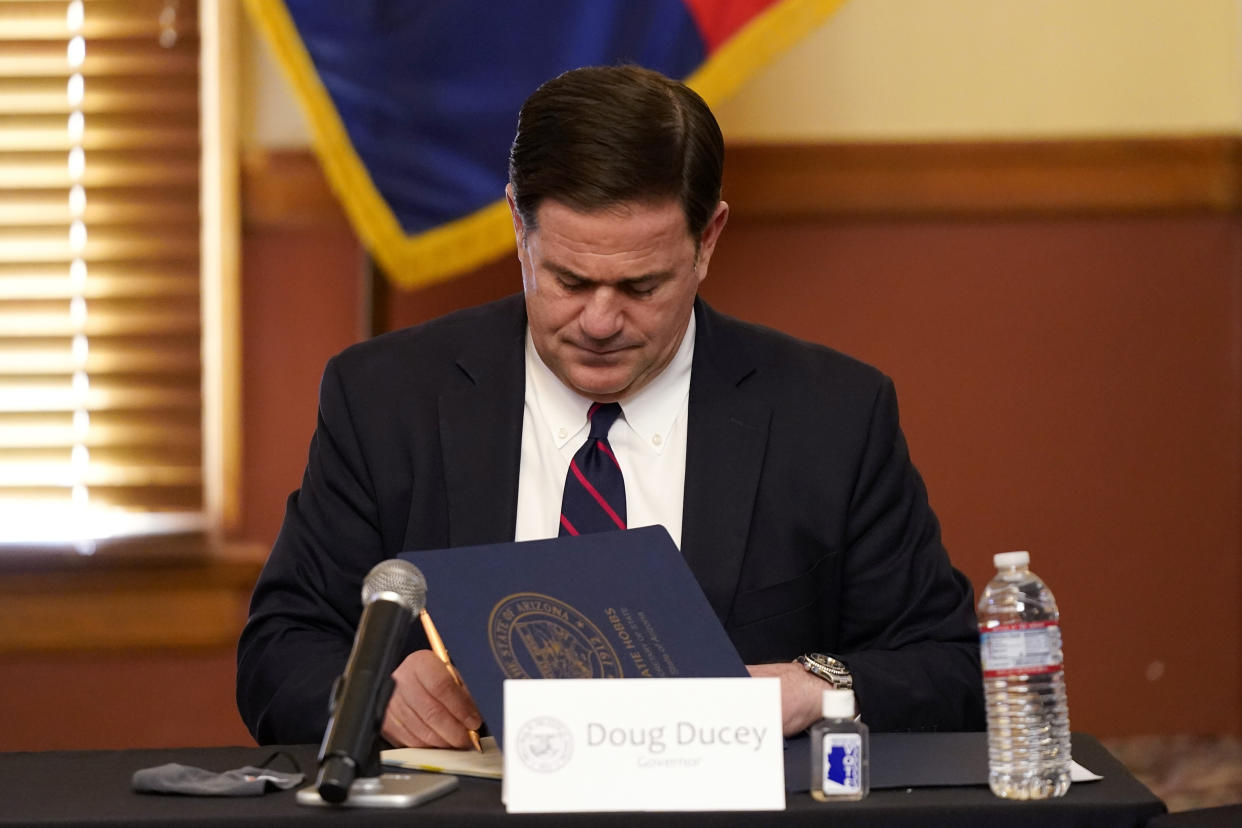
(594, 499)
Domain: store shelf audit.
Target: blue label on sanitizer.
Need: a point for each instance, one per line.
(842, 763)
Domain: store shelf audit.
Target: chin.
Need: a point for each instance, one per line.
(597, 388)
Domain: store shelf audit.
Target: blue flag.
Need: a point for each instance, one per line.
(413, 105)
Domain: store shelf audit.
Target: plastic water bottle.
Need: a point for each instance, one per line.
(1024, 683)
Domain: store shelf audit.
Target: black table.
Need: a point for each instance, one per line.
(92, 788)
(1223, 816)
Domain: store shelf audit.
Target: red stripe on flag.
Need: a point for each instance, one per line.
(719, 20)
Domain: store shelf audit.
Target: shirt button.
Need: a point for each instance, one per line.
(562, 433)
(656, 440)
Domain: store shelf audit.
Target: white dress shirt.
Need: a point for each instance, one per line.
(649, 440)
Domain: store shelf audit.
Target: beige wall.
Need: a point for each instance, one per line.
(945, 69)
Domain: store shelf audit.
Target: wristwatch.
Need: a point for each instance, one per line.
(831, 670)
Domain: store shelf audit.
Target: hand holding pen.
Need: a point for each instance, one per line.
(437, 646)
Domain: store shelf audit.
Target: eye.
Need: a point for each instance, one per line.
(641, 288)
(569, 282)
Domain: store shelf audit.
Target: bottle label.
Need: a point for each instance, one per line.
(1024, 648)
(842, 763)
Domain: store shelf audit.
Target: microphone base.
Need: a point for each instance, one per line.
(388, 790)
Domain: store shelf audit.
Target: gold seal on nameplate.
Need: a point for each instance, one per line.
(538, 636)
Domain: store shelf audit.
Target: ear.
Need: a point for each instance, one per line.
(711, 234)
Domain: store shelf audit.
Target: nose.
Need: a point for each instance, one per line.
(602, 315)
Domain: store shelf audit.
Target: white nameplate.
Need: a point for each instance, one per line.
(674, 744)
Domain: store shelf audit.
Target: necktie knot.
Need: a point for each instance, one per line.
(602, 416)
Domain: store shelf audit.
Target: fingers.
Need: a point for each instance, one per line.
(428, 708)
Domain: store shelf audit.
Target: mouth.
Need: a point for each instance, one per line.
(599, 352)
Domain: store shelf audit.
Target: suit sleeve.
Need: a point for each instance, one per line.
(907, 620)
(307, 602)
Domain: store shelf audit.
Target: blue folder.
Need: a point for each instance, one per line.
(609, 605)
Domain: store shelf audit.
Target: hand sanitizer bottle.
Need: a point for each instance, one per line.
(839, 761)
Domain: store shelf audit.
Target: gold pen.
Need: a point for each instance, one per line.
(437, 646)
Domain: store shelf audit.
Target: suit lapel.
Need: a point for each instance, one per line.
(727, 438)
(481, 433)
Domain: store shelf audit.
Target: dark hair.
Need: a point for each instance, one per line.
(604, 135)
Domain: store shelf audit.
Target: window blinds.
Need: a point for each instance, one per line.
(100, 400)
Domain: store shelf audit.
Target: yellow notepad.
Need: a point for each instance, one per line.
(489, 764)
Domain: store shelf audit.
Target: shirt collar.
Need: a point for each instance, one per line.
(650, 413)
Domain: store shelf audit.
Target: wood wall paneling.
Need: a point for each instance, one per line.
(1068, 386)
(985, 179)
(128, 605)
(116, 653)
(303, 273)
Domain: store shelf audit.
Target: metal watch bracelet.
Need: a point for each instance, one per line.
(830, 669)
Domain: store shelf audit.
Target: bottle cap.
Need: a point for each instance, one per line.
(838, 704)
(1004, 560)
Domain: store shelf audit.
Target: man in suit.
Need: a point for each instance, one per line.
(778, 466)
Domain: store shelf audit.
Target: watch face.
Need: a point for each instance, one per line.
(828, 668)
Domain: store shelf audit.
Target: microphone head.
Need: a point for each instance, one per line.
(400, 578)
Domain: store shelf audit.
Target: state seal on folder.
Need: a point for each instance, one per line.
(609, 605)
(537, 636)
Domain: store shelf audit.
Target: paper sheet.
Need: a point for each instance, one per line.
(489, 764)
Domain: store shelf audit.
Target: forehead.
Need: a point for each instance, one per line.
(624, 232)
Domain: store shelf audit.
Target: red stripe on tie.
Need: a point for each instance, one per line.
(569, 527)
(605, 448)
(603, 504)
(591, 411)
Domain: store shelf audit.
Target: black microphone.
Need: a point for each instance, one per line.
(394, 592)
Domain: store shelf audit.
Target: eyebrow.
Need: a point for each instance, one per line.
(656, 276)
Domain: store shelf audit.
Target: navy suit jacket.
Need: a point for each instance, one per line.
(805, 522)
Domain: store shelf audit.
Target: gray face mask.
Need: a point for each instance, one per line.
(184, 779)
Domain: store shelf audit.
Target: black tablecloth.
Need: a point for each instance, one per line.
(1224, 816)
(92, 788)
